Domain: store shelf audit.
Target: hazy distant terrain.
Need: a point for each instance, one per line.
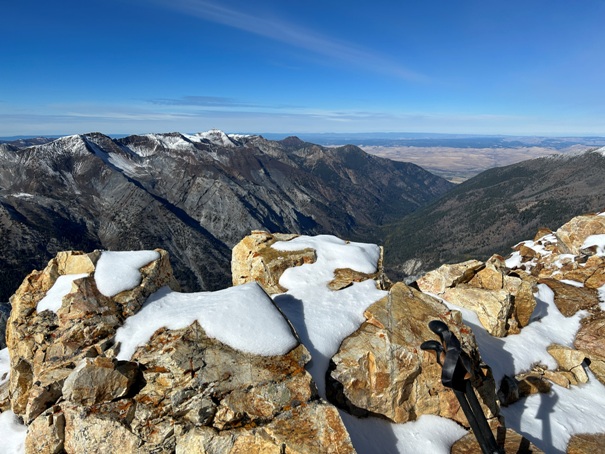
(494, 210)
(460, 164)
(458, 157)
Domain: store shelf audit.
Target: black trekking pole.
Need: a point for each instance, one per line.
(456, 374)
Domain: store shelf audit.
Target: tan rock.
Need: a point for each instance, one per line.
(527, 253)
(492, 276)
(308, 429)
(597, 278)
(493, 307)
(590, 340)
(570, 360)
(572, 235)
(99, 379)
(90, 432)
(561, 378)
(381, 369)
(570, 299)
(41, 342)
(533, 384)
(76, 262)
(542, 232)
(46, 435)
(446, 276)
(510, 440)
(188, 373)
(586, 444)
(253, 259)
(522, 290)
(5, 403)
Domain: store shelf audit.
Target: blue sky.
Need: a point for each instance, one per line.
(133, 66)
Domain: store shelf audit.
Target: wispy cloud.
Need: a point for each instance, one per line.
(217, 102)
(207, 101)
(294, 35)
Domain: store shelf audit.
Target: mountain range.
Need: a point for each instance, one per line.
(494, 210)
(194, 195)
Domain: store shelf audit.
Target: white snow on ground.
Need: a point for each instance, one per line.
(128, 166)
(323, 318)
(517, 353)
(117, 271)
(12, 434)
(5, 366)
(429, 434)
(23, 195)
(62, 286)
(514, 261)
(243, 317)
(598, 241)
(549, 420)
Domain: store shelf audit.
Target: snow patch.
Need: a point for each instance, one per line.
(549, 420)
(23, 195)
(215, 136)
(5, 366)
(539, 246)
(123, 163)
(12, 433)
(572, 283)
(323, 317)
(600, 151)
(601, 293)
(243, 317)
(54, 297)
(517, 353)
(117, 271)
(596, 240)
(428, 434)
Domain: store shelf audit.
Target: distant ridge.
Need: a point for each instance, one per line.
(494, 210)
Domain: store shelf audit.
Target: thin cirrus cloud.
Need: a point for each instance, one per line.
(207, 101)
(216, 102)
(294, 35)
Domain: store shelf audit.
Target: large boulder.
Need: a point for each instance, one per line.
(570, 299)
(381, 370)
(571, 236)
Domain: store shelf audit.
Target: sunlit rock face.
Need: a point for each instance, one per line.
(181, 390)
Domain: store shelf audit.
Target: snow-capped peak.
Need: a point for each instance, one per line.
(601, 151)
(217, 137)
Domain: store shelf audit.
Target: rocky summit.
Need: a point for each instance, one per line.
(313, 349)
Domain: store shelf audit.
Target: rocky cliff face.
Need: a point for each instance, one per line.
(195, 196)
